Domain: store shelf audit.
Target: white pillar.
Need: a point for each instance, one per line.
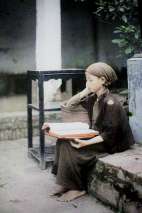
(48, 39)
(48, 34)
(134, 67)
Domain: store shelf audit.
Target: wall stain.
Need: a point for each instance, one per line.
(4, 50)
(2, 185)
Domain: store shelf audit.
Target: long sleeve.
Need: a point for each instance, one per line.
(74, 100)
(78, 98)
(111, 125)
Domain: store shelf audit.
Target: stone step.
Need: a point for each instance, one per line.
(13, 126)
(117, 180)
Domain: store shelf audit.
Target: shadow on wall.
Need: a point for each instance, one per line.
(12, 93)
(12, 84)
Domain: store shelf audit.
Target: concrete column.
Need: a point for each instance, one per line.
(48, 34)
(134, 67)
(48, 41)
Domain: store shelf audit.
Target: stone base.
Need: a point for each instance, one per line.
(14, 125)
(117, 180)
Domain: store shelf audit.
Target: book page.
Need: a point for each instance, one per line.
(73, 132)
(68, 126)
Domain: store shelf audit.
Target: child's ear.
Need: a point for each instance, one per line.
(103, 79)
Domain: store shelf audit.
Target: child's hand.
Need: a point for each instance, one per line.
(45, 127)
(77, 143)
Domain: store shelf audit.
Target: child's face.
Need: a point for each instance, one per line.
(94, 83)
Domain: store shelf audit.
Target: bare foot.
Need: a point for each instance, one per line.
(59, 191)
(71, 195)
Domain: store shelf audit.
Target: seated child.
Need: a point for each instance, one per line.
(73, 160)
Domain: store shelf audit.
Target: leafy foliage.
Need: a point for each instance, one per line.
(124, 13)
(129, 39)
(119, 10)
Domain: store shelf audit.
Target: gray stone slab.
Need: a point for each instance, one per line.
(134, 68)
(117, 180)
(25, 188)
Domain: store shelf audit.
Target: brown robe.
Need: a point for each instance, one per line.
(72, 165)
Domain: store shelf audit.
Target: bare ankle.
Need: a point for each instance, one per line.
(71, 195)
(59, 190)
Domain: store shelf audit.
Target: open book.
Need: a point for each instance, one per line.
(70, 130)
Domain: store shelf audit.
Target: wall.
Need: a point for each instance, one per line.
(85, 38)
(106, 50)
(135, 96)
(17, 35)
(78, 47)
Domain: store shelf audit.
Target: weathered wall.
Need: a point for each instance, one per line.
(135, 96)
(83, 39)
(78, 47)
(86, 39)
(106, 50)
(17, 35)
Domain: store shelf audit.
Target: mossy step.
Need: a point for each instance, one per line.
(117, 180)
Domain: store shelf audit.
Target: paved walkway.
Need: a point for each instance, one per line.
(25, 188)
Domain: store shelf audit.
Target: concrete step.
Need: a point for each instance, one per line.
(117, 180)
(13, 125)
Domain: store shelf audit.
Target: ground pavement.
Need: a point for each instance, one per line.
(25, 188)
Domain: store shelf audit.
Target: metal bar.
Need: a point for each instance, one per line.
(140, 14)
(29, 111)
(41, 121)
(49, 110)
(64, 74)
(69, 73)
(35, 73)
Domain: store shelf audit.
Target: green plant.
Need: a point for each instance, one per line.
(127, 33)
(130, 114)
(124, 16)
(128, 39)
(119, 10)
